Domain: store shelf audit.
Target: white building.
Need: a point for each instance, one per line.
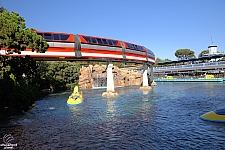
(212, 49)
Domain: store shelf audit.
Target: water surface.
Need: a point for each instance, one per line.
(165, 118)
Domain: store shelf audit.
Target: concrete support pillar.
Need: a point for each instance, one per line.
(153, 83)
(145, 78)
(110, 81)
(110, 92)
(151, 74)
(145, 86)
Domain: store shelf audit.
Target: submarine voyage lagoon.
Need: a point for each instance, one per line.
(167, 117)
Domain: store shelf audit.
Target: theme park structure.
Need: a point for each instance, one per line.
(77, 47)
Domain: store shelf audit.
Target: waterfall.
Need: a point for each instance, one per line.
(99, 80)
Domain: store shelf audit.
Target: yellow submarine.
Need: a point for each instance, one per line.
(75, 98)
(214, 116)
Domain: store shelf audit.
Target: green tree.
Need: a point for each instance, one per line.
(158, 60)
(223, 59)
(166, 60)
(60, 75)
(162, 60)
(18, 92)
(15, 36)
(2, 9)
(18, 83)
(203, 52)
(184, 53)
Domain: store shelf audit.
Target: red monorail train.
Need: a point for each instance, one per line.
(70, 46)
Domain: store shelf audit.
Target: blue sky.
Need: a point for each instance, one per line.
(163, 26)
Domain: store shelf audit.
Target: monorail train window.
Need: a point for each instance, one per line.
(105, 41)
(131, 46)
(136, 47)
(110, 42)
(94, 40)
(47, 36)
(56, 36)
(115, 42)
(128, 45)
(140, 48)
(88, 39)
(64, 36)
(99, 41)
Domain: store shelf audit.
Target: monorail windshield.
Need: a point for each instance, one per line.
(150, 52)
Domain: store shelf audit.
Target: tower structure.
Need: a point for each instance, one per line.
(212, 49)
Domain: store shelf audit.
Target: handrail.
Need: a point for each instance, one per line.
(191, 65)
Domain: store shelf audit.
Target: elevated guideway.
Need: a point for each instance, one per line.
(77, 47)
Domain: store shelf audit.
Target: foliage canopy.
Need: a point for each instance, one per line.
(161, 60)
(184, 53)
(60, 75)
(19, 78)
(15, 36)
(203, 52)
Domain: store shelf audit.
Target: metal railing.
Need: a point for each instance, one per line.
(191, 65)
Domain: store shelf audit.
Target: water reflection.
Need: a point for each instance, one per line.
(145, 92)
(73, 110)
(111, 108)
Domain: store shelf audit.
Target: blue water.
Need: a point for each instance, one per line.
(165, 118)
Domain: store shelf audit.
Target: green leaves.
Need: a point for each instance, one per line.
(19, 78)
(2, 9)
(161, 60)
(184, 53)
(60, 75)
(15, 36)
(203, 52)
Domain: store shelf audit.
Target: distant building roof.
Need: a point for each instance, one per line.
(212, 46)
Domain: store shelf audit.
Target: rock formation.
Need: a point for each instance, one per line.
(110, 94)
(122, 76)
(85, 78)
(153, 83)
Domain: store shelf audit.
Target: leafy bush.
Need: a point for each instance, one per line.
(60, 75)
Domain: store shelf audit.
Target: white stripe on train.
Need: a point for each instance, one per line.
(66, 54)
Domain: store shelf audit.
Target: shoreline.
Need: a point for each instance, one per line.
(10, 112)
